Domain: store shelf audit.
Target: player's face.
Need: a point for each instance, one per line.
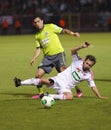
(38, 23)
(87, 64)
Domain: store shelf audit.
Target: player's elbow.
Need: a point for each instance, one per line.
(73, 51)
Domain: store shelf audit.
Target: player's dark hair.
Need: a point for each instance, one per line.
(41, 16)
(91, 58)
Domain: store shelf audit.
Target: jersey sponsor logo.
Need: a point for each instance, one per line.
(46, 33)
(44, 42)
(75, 76)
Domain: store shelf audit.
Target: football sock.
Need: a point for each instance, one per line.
(58, 96)
(40, 89)
(33, 81)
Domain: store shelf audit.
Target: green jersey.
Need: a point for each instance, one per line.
(48, 40)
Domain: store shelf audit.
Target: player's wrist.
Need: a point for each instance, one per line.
(81, 46)
(33, 58)
(72, 33)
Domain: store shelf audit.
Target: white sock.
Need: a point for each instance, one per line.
(33, 81)
(58, 96)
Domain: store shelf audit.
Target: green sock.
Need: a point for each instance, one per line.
(40, 89)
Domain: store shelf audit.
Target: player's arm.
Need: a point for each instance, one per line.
(75, 49)
(36, 54)
(67, 31)
(96, 92)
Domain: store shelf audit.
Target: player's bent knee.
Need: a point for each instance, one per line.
(45, 81)
(69, 96)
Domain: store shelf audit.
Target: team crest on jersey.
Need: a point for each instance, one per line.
(76, 76)
(46, 33)
(78, 69)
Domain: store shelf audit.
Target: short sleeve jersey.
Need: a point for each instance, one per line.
(48, 40)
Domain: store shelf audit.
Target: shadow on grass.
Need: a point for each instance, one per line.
(103, 80)
(85, 97)
(18, 94)
(30, 95)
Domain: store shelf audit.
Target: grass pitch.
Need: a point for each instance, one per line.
(19, 112)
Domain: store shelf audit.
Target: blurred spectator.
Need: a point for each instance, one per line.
(5, 26)
(62, 23)
(54, 9)
(103, 17)
(17, 26)
(63, 6)
(31, 7)
(109, 24)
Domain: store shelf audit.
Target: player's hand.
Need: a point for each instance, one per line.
(85, 44)
(32, 61)
(76, 34)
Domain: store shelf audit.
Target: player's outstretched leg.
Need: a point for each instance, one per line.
(32, 81)
(40, 89)
(43, 94)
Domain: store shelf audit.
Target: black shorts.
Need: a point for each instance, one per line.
(56, 61)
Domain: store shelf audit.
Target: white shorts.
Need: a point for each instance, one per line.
(60, 85)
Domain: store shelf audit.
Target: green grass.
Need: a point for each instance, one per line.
(19, 112)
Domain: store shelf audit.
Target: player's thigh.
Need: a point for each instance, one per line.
(47, 64)
(61, 62)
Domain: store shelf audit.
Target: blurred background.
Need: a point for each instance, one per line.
(16, 16)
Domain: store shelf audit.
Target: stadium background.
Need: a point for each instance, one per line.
(78, 15)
